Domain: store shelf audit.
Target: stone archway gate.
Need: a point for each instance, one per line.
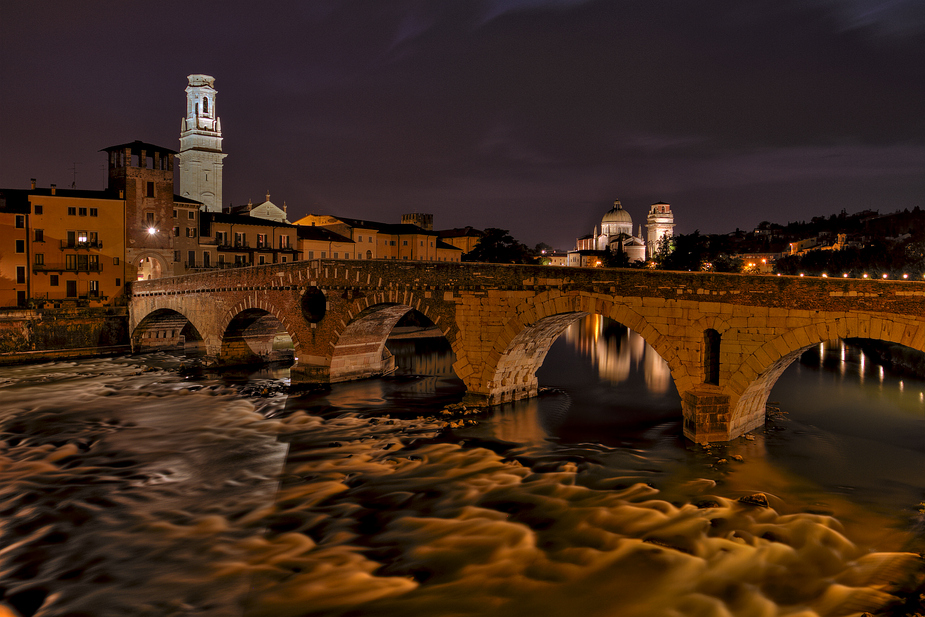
(501, 320)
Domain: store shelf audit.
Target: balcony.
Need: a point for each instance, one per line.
(60, 267)
(95, 244)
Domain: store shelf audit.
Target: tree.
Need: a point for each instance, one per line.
(498, 246)
(688, 253)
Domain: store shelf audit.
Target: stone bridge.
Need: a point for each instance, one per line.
(726, 337)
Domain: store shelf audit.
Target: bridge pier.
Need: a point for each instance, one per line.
(707, 415)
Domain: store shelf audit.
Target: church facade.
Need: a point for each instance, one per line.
(615, 235)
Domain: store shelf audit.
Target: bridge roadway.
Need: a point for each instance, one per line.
(725, 337)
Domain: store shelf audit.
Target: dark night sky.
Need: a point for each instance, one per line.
(530, 115)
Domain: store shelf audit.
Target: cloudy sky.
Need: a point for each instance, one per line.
(530, 115)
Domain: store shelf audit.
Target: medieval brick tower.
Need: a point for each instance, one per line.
(200, 157)
(142, 174)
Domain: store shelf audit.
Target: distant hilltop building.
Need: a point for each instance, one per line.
(200, 157)
(616, 236)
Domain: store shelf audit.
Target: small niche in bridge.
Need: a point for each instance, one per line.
(314, 305)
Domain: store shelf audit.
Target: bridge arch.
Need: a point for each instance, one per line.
(252, 332)
(756, 377)
(164, 328)
(360, 346)
(509, 370)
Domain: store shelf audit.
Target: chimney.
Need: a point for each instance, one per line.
(53, 188)
(33, 184)
(284, 207)
(121, 194)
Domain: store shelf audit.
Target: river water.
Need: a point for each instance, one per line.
(131, 486)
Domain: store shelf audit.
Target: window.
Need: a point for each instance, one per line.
(422, 243)
(71, 289)
(70, 262)
(260, 260)
(239, 239)
(311, 254)
(115, 261)
(72, 211)
(221, 237)
(83, 237)
(149, 191)
(261, 240)
(359, 238)
(53, 280)
(93, 238)
(323, 254)
(20, 221)
(94, 289)
(20, 275)
(176, 232)
(191, 215)
(39, 209)
(206, 259)
(190, 232)
(94, 212)
(391, 242)
(369, 254)
(21, 298)
(284, 242)
(39, 235)
(174, 213)
(711, 340)
(20, 246)
(176, 256)
(284, 259)
(335, 254)
(192, 259)
(149, 219)
(81, 211)
(118, 282)
(404, 243)
(40, 259)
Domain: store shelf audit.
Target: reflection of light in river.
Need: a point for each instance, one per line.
(617, 351)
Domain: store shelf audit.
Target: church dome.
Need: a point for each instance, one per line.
(617, 221)
(618, 215)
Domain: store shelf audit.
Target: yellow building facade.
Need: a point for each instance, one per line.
(72, 244)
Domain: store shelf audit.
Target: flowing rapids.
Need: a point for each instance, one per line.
(128, 489)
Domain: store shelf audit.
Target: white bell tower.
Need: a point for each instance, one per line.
(200, 157)
(659, 224)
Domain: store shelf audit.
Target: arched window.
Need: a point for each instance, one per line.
(205, 104)
(711, 357)
(369, 254)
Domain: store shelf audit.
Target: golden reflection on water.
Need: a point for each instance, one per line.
(615, 350)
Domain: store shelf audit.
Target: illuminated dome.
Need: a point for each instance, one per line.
(617, 221)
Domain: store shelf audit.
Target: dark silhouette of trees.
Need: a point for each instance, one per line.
(498, 246)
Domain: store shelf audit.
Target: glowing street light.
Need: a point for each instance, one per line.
(845, 275)
(824, 275)
(905, 276)
(865, 275)
(151, 231)
(884, 276)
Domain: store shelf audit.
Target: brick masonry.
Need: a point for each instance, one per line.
(501, 320)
